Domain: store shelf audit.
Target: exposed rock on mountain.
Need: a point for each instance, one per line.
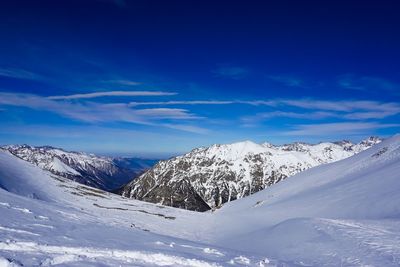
(207, 177)
(100, 172)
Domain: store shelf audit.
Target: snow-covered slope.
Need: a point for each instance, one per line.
(345, 213)
(342, 214)
(100, 172)
(49, 220)
(208, 177)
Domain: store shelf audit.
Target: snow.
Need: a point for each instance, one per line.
(58, 166)
(6, 263)
(345, 213)
(74, 225)
(236, 170)
(66, 254)
(88, 169)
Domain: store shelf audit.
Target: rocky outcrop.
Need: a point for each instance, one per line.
(208, 177)
(100, 172)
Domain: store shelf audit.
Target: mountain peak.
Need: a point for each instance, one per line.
(222, 173)
(267, 144)
(88, 169)
(372, 140)
(245, 145)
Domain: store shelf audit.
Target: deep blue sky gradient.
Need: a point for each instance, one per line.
(325, 55)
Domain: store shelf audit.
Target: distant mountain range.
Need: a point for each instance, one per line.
(202, 179)
(339, 214)
(206, 178)
(100, 172)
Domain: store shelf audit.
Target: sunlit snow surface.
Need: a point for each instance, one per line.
(341, 214)
(47, 220)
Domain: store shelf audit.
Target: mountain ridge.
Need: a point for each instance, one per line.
(341, 214)
(221, 173)
(101, 172)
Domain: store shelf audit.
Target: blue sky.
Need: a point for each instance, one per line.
(157, 78)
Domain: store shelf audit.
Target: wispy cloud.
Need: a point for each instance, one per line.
(122, 82)
(363, 108)
(232, 72)
(344, 106)
(326, 129)
(91, 112)
(113, 93)
(271, 103)
(18, 73)
(284, 114)
(287, 80)
(187, 128)
(309, 109)
(166, 113)
(364, 83)
(361, 114)
(186, 102)
(371, 114)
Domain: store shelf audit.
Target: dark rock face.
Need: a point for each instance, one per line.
(206, 178)
(180, 194)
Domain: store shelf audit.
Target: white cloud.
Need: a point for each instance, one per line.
(334, 105)
(122, 82)
(167, 113)
(187, 128)
(362, 83)
(113, 93)
(327, 129)
(96, 112)
(359, 112)
(305, 109)
(371, 114)
(351, 110)
(271, 103)
(324, 105)
(310, 109)
(252, 120)
(187, 102)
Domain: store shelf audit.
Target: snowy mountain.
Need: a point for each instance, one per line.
(48, 220)
(209, 177)
(341, 214)
(100, 172)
